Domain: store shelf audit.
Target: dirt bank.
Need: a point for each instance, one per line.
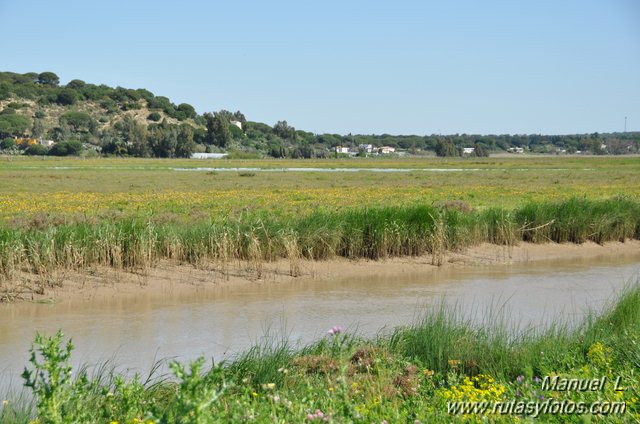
(175, 280)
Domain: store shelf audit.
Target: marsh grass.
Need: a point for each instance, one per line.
(373, 233)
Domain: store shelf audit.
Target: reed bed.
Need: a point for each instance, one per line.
(372, 233)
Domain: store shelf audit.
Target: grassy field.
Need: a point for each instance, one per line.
(410, 375)
(130, 213)
(35, 190)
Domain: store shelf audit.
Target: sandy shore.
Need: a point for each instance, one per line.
(170, 279)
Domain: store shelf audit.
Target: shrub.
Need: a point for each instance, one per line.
(7, 143)
(66, 148)
(66, 97)
(36, 150)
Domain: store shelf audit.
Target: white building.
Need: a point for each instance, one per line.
(342, 149)
(515, 150)
(468, 150)
(46, 143)
(385, 150)
(208, 155)
(368, 148)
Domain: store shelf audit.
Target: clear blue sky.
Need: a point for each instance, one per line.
(402, 67)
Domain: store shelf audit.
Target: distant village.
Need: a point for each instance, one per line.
(368, 149)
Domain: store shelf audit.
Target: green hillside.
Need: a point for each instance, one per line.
(39, 116)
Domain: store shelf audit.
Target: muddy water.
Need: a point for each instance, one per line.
(222, 323)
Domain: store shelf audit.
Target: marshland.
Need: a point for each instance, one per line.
(308, 212)
(72, 214)
(262, 241)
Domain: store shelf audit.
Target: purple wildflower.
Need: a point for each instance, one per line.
(318, 415)
(335, 330)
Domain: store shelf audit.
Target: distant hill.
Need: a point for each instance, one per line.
(40, 116)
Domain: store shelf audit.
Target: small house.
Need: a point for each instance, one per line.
(367, 148)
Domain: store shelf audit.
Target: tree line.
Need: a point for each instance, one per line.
(135, 122)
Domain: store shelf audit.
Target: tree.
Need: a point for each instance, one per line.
(163, 139)
(221, 132)
(67, 97)
(60, 133)
(186, 111)
(112, 144)
(154, 116)
(38, 127)
(208, 118)
(235, 132)
(218, 132)
(185, 145)
(48, 78)
(12, 124)
(277, 150)
(445, 148)
(284, 130)
(303, 151)
(76, 84)
(239, 116)
(137, 136)
(480, 152)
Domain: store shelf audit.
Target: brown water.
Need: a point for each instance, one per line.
(225, 322)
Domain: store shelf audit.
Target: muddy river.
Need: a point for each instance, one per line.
(224, 322)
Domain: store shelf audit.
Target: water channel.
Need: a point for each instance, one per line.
(226, 321)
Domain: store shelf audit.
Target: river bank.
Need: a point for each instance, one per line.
(428, 371)
(170, 279)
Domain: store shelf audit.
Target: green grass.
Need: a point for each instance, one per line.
(500, 182)
(375, 232)
(406, 375)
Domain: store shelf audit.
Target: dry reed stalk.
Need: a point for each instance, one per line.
(293, 254)
(438, 239)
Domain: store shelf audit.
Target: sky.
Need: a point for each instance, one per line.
(360, 67)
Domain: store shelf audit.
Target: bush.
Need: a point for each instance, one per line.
(36, 150)
(17, 105)
(7, 143)
(78, 121)
(66, 97)
(66, 148)
(154, 116)
(238, 154)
